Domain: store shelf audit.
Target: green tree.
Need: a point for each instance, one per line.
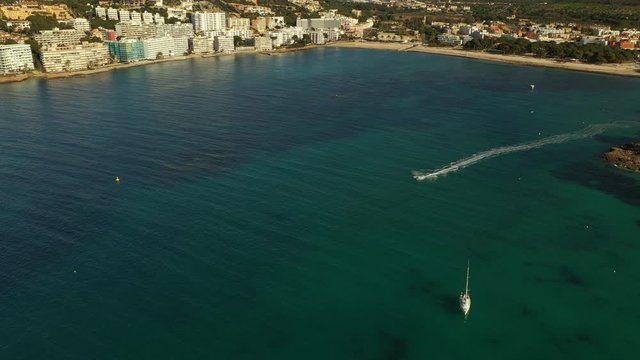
(431, 35)
(539, 48)
(173, 20)
(35, 52)
(290, 18)
(97, 22)
(91, 39)
(42, 22)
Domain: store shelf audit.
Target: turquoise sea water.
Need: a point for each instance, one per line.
(267, 210)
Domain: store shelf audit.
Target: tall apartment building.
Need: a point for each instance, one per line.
(159, 19)
(136, 31)
(126, 50)
(15, 58)
(285, 36)
(59, 37)
(75, 57)
(165, 46)
(263, 43)
(147, 17)
(135, 17)
(81, 24)
(318, 37)
(124, 15)
(101, 12)
(112, 14)
(203, 21)
(236, 23)
(223, 44)
(175, 30)
(200, 45)
(309, 24)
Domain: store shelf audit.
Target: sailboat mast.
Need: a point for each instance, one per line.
(466, 288)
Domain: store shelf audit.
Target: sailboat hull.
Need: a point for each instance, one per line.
(465, 303)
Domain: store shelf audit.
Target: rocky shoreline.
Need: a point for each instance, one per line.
(626, 156)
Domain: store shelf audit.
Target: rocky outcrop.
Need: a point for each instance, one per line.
(626, 156)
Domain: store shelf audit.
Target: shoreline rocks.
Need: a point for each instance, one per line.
(626, 156)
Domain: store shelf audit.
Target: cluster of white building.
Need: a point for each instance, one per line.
(146, 36)
(64, 50)
(124, 15)
(215, 32)
(460, 33)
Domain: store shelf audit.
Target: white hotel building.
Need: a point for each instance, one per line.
(15, 58)
(112, 14)
(203, 21)
(74, 57)
(223, 44)
(165, 46)
(81, 24)
(237, 23)
(124, 15)
(147, 17)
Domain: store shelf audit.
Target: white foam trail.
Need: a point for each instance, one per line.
(587, 132)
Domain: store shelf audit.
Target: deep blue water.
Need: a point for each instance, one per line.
(267, 210)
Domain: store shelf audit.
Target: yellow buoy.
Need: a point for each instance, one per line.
(117, 180)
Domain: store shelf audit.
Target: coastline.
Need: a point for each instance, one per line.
(627, 69)
(61, 75)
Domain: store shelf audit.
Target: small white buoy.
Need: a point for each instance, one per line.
(531, 111)
(539, 133)
(74, 271)
(532, 87)
(614, 270)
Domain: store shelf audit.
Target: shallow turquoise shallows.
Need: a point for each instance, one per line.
(267, 210)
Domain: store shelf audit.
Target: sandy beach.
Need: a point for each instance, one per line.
(14, 78)
(627, 69)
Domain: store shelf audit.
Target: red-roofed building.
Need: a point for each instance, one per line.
(626, 44)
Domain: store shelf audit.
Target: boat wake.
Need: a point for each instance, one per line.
(587, 132)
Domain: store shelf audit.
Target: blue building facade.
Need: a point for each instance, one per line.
(126, 50)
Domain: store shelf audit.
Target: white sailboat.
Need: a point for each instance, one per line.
(465, 297)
